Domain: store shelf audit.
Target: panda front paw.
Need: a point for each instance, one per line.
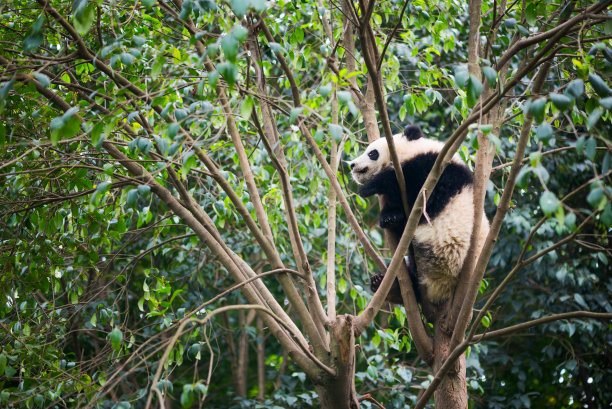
(390, 218)
(367, 190)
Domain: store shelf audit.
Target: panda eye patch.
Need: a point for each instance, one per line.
(373, 154)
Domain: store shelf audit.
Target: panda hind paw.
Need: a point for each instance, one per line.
(375, 281)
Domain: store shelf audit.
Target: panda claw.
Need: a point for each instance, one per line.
(375, 281)
(391, 220)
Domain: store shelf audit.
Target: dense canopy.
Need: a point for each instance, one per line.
(154, 154)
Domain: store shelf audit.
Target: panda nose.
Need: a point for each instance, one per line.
(352, 165)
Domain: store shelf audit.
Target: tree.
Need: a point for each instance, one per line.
(157, 153)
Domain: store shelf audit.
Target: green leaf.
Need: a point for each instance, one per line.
(580, 144)
(9, 371)
(575, 88)
(189, 161)
(595, 196)
(495, 142)
(139, 41)
(522, 30)
(148, 3)
(570, 220)
(562, 102)
(531, 14)
(240, 33)
(535, 159)
(591, 148)
(458, 102)
(342, 285)
(103, 187)
(144, 189)
(212, 50)
(32, 42)
(336, 132)
(259, 5)
(537, 108)
(599, 85)
(212, 78)
(594, 117)
(549, 203)
(229, 72)
(606, 103)
(173, 129)
(485, 129)
(474, 90)
(34, 38)
(3, 94)
(187, 397)
(186, 9)
(42, 79)
(229, 45)
(295, 112)
(276, 48)
(240, 7)
(65, 126)
(544, 131)
(83, 14)
(510, 22)
(461, 76)
(127, 59)
(606, 216)
(246, 107)
(344, 97)
(131, 198)
(372, 372)
(324, 90)
(3, 361)
(491, 76)
(180, 114)
(116, 338)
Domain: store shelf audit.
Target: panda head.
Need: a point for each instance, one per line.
(377, 157)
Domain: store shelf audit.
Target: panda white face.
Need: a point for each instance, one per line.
(375, 159)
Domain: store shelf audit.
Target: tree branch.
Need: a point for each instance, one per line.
(529, 324)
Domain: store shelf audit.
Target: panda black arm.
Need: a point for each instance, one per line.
(384, 183)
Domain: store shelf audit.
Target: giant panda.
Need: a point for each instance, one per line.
(440, 245)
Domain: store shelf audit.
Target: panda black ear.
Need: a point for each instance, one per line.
(412, 132)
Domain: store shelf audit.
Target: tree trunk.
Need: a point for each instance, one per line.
(338, 392)
(261, 361)
(243, 356)
(452, 391)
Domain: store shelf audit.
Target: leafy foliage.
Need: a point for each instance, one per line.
(98, 270)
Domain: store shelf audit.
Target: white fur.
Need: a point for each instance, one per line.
(405, 149)
(448, 237)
